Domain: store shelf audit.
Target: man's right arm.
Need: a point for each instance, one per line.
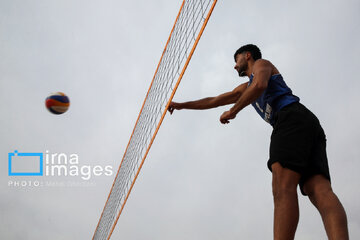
(210, 102)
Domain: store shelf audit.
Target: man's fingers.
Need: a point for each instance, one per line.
(224, 121)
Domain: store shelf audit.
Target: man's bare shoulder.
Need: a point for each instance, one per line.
(264, 64)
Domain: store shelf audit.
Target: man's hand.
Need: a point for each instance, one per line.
(173, 106)
(226, 116)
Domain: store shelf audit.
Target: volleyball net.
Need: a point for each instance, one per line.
(180, 46)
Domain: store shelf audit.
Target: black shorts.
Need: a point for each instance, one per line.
(298, 143)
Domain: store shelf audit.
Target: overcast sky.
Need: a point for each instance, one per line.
(202, 179)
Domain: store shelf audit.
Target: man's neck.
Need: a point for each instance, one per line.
(249, 71)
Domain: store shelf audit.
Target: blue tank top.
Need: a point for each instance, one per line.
(276, 96)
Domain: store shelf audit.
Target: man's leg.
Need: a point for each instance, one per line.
(286, 212)
(319, 190)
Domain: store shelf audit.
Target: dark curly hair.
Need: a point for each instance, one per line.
(253, 49)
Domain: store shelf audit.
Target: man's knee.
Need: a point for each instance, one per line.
(283, 192)
(320, 197)
(319, 190)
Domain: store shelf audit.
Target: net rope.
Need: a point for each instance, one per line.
(184, 36)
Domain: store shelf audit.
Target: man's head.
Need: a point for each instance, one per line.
(243, 55)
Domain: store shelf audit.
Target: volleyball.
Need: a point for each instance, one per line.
(57, 103)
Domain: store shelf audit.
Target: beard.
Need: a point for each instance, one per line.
(242, 70)
(242, 74)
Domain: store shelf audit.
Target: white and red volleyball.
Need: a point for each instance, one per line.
(57, 103)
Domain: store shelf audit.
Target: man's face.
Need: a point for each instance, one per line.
(241, 64)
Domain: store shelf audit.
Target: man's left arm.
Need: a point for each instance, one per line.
(262, 73)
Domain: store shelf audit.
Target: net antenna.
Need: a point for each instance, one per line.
(180, 46)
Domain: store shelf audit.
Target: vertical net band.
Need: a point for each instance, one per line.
(184, 37)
